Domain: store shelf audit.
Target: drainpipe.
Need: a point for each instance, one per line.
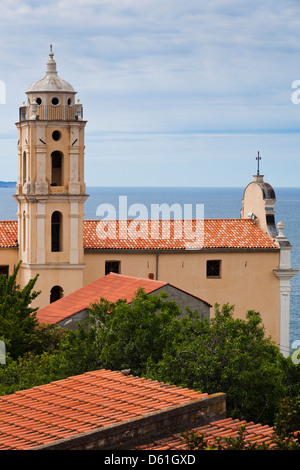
(157, 255)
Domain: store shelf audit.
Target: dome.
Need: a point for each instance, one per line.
(267, 190)
(51, 81)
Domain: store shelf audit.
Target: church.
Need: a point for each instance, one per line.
(244, 261)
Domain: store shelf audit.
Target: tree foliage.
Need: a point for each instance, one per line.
(198, 441)
(228, 355)
(152, 339)
(121, 335)
(17, 318)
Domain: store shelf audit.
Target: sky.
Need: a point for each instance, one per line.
(175, 93)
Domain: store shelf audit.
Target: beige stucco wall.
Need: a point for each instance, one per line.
(9, 257)
(247, 278)
(65, 277)
(253, 199)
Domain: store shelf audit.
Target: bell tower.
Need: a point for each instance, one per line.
(50, 190)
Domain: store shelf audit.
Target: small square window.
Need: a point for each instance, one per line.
(213, 268)
(4, 270)
(112, 267)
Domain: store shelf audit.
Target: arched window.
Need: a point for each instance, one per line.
(56, 293)
(56, 168)
(56, 231)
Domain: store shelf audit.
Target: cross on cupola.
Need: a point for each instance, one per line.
(258, 158)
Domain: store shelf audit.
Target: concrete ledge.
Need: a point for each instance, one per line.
(146, 429)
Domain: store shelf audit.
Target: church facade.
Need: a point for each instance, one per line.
(243, 261)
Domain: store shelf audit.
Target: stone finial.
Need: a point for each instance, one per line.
(280, 227)
(78, 110)
(51, 64)
(33, 110)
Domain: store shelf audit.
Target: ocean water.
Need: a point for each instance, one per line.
(218, 203)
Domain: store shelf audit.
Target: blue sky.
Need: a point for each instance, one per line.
(176, 93)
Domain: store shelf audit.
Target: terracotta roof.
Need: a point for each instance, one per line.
(112, 287)
(171, 235)
(66, 408)
(255, 433)
(8, 234)
(218, 233)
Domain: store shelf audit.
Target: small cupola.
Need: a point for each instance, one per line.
(259, 203)
(51, 81)
(51, 98)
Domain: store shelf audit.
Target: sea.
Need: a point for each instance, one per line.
(216, 202)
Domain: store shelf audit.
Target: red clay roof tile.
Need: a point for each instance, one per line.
(112, 287)
(24, 424)
(160, 234)
(255, 433)
(171, 235)
(8, 234)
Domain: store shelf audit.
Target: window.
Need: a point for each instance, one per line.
(56, 293)
(213, 268)
(56, 135)
(4, 270)
(56, 231)
(112, 267)
(55, 101)
(56, 168)
(38, 101)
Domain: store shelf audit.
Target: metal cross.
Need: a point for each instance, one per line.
(258, 158)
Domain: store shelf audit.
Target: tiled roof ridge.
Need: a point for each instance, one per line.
(139, 278)
(168, 220)
(164, 283)
(111, 375)
(112, 287)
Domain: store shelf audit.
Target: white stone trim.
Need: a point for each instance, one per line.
(51, 266)
(74, 216)
(40, 231)
(284, 276)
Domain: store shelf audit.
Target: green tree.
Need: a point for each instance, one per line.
(17, 318)
(228, 355)
(287, 421)
(26, 372)
(121, 336)
(150, 338)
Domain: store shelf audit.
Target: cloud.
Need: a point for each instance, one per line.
(150, 71)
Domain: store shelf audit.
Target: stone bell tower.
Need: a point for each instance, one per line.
(51, 191)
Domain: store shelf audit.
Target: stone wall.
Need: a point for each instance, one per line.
(148, 428)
